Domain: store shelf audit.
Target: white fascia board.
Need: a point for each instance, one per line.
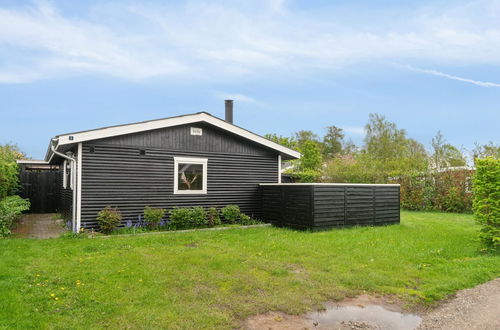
(169, 122)
(32, 161)
(79, 188)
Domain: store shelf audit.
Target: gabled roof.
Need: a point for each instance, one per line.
(69, 139)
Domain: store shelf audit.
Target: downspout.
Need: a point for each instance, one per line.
(73, 178)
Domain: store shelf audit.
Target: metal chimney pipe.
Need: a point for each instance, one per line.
(229, 111)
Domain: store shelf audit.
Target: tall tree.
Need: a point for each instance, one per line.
(383, 139)
(444, 154)
(303, 136)
(288, 142)
(333, 142)
(486, 150)
(388, 150)
(311, 156)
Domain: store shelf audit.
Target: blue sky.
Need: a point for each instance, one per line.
(290, 65)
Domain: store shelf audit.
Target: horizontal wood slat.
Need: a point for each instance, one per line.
(324, 206)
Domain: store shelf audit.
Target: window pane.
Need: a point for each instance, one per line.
(190, 177)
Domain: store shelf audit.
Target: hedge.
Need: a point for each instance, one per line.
(486, 202)
(10, 209)
(443, 191)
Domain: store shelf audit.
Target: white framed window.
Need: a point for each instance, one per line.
(190, 175)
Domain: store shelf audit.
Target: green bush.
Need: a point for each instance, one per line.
(306, 176)
(231, 213)
(187, 217)
(9, 178)
(452, 201)
(153, 216)
(213, 217)
(486, 185)
(441, 191)
(246, 220)
(10, 209)
(108, 219)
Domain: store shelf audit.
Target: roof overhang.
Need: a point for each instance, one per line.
(32, 162)
(106, 132)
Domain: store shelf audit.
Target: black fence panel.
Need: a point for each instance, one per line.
(40, 186)
(323, 206)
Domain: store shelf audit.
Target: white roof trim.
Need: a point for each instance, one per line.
(169, 122)
(32, 161)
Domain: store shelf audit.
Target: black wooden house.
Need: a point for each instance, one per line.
(189, 160)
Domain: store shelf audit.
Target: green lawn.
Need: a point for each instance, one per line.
(215, 279)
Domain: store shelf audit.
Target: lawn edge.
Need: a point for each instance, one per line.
(185, 231)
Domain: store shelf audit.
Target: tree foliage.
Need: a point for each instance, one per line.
(10, 209)
(388, 151)
(288, 142)
(487, 150)
(333, 142)
(487, 200)
(389, 155)
(311, 156)
(302, 136)
(9, 180)
(444, 154)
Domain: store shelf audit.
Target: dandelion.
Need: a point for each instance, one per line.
(52, 295)
(56, 298)
(62, 289)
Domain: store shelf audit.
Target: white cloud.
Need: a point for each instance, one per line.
(449, 76)
(202, 40)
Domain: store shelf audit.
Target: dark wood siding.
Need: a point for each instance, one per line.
(118, 175)
(291, 206)
(180, 138)
(330, 205)
(65, 198)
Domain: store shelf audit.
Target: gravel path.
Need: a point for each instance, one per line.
(476, 308)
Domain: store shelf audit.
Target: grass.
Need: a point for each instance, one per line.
(215, 279)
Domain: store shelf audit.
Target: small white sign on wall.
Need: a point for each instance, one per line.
(196, 131)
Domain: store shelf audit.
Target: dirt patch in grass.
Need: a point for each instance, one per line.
(361, 312)
(475, 308)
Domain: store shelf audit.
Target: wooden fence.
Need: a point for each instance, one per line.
(323, 206)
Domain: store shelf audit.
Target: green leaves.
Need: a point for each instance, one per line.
(486, 202)
(9, 180)
(153, 216)
(10, 208)
(108, 219)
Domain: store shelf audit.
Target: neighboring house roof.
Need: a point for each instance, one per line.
(69, 139)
